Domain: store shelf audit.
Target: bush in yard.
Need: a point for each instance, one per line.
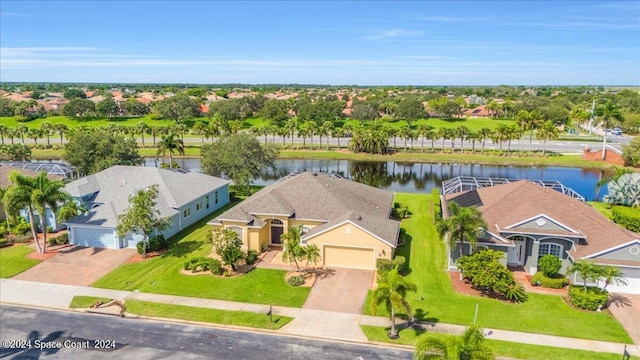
(557, 282)
(157, 243)
(627, 216)
(484, 270)
(399, 212)
(437, 208)
(385, 265)
(227, 244)
(21, 228)
(140, 247)
(216, 267)
(251, 257)
(62, 239)
(52, 241)
(590, 299)
(516, 293)
(4, 242)
(296, 280)
(550, 265)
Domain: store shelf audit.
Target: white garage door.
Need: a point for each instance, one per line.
(94, 237)
(349, 257)
(632, 287)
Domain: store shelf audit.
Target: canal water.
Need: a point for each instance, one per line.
(420, 177)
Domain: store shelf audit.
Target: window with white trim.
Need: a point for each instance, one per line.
(199, 206)
(186, 213)
(206, 202)
(550, 248)
(237, 230)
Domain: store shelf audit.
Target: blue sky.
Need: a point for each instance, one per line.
(332, 42)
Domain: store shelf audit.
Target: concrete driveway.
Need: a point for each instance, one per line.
(340, 290)
(77, 265)
(626, 309)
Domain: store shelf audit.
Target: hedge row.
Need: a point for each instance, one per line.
(437, 207)
(626, 216)
(541, 279)
(592, 299)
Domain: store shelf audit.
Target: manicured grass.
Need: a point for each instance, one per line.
(13, 260)
(91, 122)
(83, 302)
(162, 275)
(437, 301)
(236, 318)
(604, 208)
(500, 348)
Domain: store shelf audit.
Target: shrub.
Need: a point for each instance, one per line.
(264, 247)
(516, 293)
(251, 257)
(62, 239)
(49, 229)
(399, 211)
(437, 207)
(21, 228)
(385, 265)
(589, 300)
(485, 271)
(549, 265)
(216, 267)
(296, 280)
(51, 241)
(4, 242)
(157, 243)
(140, 247)
(22, 238)
(402, 237)
(555, 282)
(627, 216)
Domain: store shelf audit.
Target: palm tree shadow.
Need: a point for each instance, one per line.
(32, 352)
(619, 300)
(325, 273)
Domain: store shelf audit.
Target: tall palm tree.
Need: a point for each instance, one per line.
(292, 126)
(47, 128)
(325, 130)
(424, 131)
(141, 129)
(607, 112)
(462, 224)
(392, 291)
(312, 129)
(312, 254)
(292, 251)
(61, 129)
(170, 143)
(22, 130)
(585, 269)
(337, 133)
(462, 132)
(35, 134)
(467, 346)
(548, 131)
(4, 131)
(406, 133)
(34, 194)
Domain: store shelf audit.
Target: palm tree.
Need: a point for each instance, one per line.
(35, 194)
(142, 128)
(499, 135)
(612, 274)
(607, 112)
(462, 224)
(425, 131)
(392, 291)
(462, 132)
(291, 249)
(170, 143)
(291, 125)
(22, 130)
(61, 129)
(585, 269)
(548, 131)
(154, 131)
(337, 133)
(473, 137)
(35, 134)
(467, 346)
(325, 130)
(406, 133)
(4, 131)
(47, 128)
(312, 254)
(312, 129)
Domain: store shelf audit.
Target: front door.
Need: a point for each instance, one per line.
(516, 253)
(276, 232)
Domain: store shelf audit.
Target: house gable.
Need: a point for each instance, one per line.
(625, 252)
(541, 222)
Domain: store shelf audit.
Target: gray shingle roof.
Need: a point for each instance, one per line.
(113, 186)
(322, 197)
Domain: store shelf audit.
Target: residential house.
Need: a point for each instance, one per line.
(527, 221)
(348, 221)
(184, 197)
(5, 169)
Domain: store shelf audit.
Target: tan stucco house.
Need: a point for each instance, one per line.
(349, 222)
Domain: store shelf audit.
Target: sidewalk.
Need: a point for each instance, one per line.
(313, 323)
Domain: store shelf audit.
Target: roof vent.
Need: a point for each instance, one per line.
(359, 217)
(541, 222)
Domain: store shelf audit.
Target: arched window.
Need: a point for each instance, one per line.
(550, 248)
(304, 230)
(276, 222)
(237, 230)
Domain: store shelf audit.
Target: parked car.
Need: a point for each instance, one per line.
(616, 131)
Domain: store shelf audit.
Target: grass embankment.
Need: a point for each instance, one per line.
(83, 302)
(437, 301)
(603, 208)
(224, 317)
(162, 275)
(14, 260)
(500, 348)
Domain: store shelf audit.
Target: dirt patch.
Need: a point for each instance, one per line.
(138, 257)
(463, 286)
(309, 277)
(37, 256)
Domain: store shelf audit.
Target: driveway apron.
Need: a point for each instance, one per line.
(626, 309)
(340, 290)
(77, 265)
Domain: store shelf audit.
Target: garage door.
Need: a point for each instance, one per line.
(348, 257)
(632, 287)
(94, 237)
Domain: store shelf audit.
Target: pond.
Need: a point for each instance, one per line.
(421, 177)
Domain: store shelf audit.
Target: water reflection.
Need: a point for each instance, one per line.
(420, 177)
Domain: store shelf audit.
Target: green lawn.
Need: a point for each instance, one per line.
(437, 301)
(13, 260)
(236, 318)
(83, 302)
(500, 348)
(162, 275)
(92, 122)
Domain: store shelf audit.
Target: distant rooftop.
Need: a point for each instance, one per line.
(51, 168)
(466, 183)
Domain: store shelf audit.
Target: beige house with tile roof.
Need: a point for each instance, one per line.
(527, 221)
(348, 221)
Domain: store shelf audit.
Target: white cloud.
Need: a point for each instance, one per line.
(394, 33)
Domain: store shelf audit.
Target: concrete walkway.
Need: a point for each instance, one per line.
(313, 323)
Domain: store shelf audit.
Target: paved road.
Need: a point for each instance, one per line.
(146, 339)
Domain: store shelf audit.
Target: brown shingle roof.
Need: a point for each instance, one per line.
(509, 204)
(319, 196)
